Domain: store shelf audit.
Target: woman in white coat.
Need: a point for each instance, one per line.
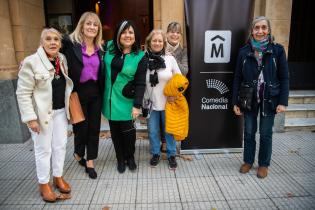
(43, 93)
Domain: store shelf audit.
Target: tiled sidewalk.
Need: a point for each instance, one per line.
(207, 182)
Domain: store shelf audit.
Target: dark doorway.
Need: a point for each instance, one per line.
(301, 54)
(114, 11)
(111, 12)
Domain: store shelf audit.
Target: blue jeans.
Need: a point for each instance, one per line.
(265, 144)
(154, 134)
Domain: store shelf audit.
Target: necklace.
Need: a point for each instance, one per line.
(57, 68)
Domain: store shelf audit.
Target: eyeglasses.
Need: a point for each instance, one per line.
(262, 27)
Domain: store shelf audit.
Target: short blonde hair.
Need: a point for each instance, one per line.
(150, 36)
(45, 31)
(77, 34)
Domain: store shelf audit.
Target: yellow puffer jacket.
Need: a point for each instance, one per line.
(177, 112)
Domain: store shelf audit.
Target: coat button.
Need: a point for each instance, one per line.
(46, 122)
(49, 112)
(43, 77)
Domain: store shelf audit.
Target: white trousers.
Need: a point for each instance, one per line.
(50, 145)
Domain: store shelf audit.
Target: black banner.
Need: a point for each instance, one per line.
(216, 29)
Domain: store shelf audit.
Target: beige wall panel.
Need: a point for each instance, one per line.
(278, 9)
(7, 51)
(157, 10)
(157, 24)
(172, 11)
(33, 16)
(38, 3)
(281, 31)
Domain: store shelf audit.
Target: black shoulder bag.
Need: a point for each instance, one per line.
(247, 93)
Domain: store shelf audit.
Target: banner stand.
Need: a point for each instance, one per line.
(216, 30)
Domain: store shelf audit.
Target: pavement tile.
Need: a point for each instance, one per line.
(22, 207)
(2, 164)
(157, 191)
(82, 191)
(26, 154)
(309, 158)
(240, 187)
(7, 187)
(225, 165)
(55, 206)
(160, 171)
(159, 206)
(252, 204)
(281, 185)
(18, 170)
(114, 206)
(193, 168)
(307, 181)
(7, 153)
(109, 171)
(293, 164)
(75, 171)
(209, 181)
(143, 148)
(26, 194)
(199, 189)
(110, 191)
(211, 205)
(295, 203)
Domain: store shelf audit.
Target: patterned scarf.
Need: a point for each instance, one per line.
(260, 47)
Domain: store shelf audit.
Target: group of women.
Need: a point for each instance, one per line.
(109, 78)
(113, 79)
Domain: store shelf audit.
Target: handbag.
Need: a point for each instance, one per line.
(147, 106)
(76, 113)
(129, 90)
(246, 95)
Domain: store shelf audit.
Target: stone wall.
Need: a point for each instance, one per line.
(21, 24)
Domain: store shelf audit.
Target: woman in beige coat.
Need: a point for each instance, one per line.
(43, 93)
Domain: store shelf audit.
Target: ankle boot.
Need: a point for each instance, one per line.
(47, 193)
(61, 185)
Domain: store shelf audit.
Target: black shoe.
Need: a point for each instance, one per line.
(121, 167)
(155, 160)
(92, 173)
(172, 164)
(82, 161)
(131, 164)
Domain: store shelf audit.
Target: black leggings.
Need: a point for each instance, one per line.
(124, 138)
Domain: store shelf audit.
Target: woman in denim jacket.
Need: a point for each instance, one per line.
(262, 64)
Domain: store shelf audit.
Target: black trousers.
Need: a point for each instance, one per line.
(86, 133)
(124, 139)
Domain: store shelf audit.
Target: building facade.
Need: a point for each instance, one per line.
(23, 20)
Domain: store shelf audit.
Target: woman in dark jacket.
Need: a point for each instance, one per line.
(261, 66)
(83, 51)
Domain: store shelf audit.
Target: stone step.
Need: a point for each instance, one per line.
(302, 97)
(300, 111)
(299, 124)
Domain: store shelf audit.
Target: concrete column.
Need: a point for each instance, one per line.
(8, 64)
(21, 24)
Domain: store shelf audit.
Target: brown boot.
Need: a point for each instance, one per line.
(61, 185)
(262, 172)
(47, 193)
(245, 168)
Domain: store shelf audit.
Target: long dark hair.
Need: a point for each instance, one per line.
(121, 27)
